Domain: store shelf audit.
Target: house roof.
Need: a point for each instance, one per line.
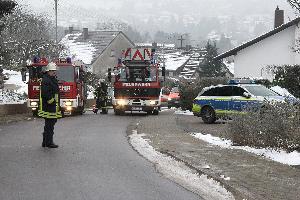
(258, 39)
(89, 49)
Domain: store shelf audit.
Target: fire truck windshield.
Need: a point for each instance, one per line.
(65, 73)
(35, 72)
(138, 74)
(137, 92)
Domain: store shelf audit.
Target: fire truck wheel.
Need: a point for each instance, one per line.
(35, 113)
(155, 112)
(119, 112)
(104, 111)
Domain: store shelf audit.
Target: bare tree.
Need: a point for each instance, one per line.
(295, 4)
(24, 36)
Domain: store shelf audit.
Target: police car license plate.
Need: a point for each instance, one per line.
(136, 108)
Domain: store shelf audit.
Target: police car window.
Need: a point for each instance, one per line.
(260, 90)
(211, 92)
(225, 91)
(237, 91)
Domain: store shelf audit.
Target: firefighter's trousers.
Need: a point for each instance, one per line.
(48, 131)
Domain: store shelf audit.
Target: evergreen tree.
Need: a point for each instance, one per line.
(224, 44)
(209, 66)
(287, 76)
(6, 7)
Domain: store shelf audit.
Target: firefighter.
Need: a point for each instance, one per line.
(101, 96)
(49, 104)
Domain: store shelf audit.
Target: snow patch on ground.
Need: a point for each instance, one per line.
(178, 172)
(183, 112)
(281, 156)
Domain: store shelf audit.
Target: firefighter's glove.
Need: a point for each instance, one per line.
(51, 101)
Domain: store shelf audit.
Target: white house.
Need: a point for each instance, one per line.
(98, 49)
(273, 48)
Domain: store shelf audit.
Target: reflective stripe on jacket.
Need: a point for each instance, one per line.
(49, 98)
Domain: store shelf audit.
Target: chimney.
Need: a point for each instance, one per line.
(279, 18)
(85, 33)
(71, 29)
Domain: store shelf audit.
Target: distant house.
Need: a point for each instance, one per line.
(273, 48)
(98, 49)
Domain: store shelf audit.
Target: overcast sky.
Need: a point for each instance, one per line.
(82, 3)
(111, 3)
(137, 11)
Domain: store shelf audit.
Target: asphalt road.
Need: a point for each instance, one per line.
(94, 161)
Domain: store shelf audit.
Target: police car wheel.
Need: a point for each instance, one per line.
(208, 115)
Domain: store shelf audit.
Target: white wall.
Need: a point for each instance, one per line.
(274, 50)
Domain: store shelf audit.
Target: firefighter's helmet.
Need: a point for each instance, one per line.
(101, 81)
(51, 67)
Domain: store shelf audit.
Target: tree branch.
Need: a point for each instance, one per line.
(295, 4)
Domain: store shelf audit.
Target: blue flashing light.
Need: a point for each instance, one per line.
(36, 59)
(241, 81)
(69, 60)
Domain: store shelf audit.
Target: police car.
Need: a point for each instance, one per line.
(219, 101)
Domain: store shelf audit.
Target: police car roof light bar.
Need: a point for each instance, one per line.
(241, 81)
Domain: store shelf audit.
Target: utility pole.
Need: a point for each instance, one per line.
(55, 21)
(181, 41)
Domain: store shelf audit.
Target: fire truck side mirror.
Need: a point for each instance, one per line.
(23, 74)
(109, 74)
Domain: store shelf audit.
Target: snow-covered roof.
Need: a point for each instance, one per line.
(88, 49)
(84, 51)
(175, 60)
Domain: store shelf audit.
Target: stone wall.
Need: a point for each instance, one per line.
(11, 109)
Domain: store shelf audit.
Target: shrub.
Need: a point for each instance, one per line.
(287, 76)
(189, 90)
(276, 125)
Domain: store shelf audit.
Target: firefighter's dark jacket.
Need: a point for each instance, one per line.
(49, 98)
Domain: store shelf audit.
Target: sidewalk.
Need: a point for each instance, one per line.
(245, 175)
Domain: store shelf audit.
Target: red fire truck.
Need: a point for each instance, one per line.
(137, 84)
(71, 83)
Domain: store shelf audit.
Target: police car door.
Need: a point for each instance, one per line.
(238, 101)
(224, 96)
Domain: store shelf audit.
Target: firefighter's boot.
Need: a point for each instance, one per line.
(51, 144)
(44, 140)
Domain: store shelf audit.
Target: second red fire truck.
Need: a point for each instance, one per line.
(137, 83)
